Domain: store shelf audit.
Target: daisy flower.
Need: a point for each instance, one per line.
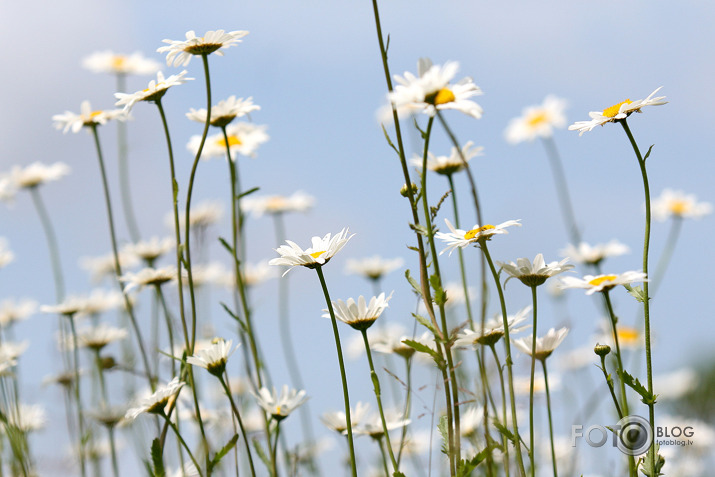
(390, 339)
(243, 138)
(534, 273)
(522, 384)
(599, 283)
(6, 255)
(493, 330)
(180, 52)
(100, 336)
(337, 421)
(148, 276)
(99, 301)
(28, 417)
(103, 266)
(471, 420)
(150, 250)
(37, 173)
(155, 403)
(86, 118)
(154, 92)
(202, 215)
(11, 311)
(256, 273)
(214, 357)
(616, 112)
(628, 336)
(7, 191)
(225, 111)
(537, 121)
(317, 255)
(448, 165)
(461, 238)
(360, 315)
(431, 91)
(545, 345)
(594, 254)
(675, 203)
(116, 63)
(279, 407)
(69, 306)
(372, 426)
(277, 204)
(373, 267)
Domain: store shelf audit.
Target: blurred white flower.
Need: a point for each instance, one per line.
(86, 118)
(37, 173)
(448, 165)
(225, 111)
(148, 276)
(103, 266)
(6, 255)
(493, 330)
(100, 336)
(373, 267)
(213, 358)
(12, 311)
(545, 345)
(155, 403)
(279, 407)
(594, 254)
(243, 138)
(180, 51)
(598, 283)
(337, 421)
(277, 204)
(677, 204)
(537, 121)
(116, 63)
(151, 249)
(28, 418)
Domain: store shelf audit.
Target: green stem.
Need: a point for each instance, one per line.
(183, 442)
(609, 382)
(408, 406)
(227, 390)
(123, 163)
(381, 445)
(551, 425)
(503, 406)
(562, 189)
(78, 396)
(343, 376)
(531, 384)
(51, 243)
(274, 457)
(664, 260)
(113, 449)
(169, 327)
(462, 269)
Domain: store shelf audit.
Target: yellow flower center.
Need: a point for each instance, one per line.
(474, 232)
(678, 207)
(628, 335)
(613, 110)
(94, 114)
(276, 203)
(278, 410)
(597, 281)
(118, 62)
(443, 96)
(232, 141)
(317, 254)
(537, 119)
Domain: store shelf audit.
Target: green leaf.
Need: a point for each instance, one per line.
(440, 296)
(647, 154)
(633, 383)
(397, 473)
(389, 141)
(422, 348)
(235, 317)
(420, 229)
(249, 191)
(443, 428)
(226, 245)
(637, 292)
(465, 467)
(261, 453)
(415, 286)
(220, 454)
(425, 322)
(648, 463)
(504, 431)
(156, 459)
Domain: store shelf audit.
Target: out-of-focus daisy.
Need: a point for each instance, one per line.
(7, 190)
(534, 273)
(150, 250)
(390, 339)
(462, 238)
(103, 266)
(675, 384)
(155, 403)
(180, 51)
(243, 138)
(279, 407)
(70, 306)
(116, 63)
(522, 384)
(225, 111)
(317, 255)
(213, 358)
(372, 425)
(537, 121)
(599, 283)
(448, 165)
(373, 267)
(360, 315)
(675, 203)
(100, 336)
(86, 118)
(628, 336)
(336, 420)
(37, 173)
(6, 255)
(493, 330)
(155, 91)
(12, 311)
(616, 112)
(209, 273)
(201, 216)
(432, 90)
(545, 345)
(148, 276)
(7, 364)
(188, 470)
(28, 418)
(277, 204)
(108, 416)
(99, 301)
(594, 254)
(471, 420)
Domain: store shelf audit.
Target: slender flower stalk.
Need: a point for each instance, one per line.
(548, 408)
(227, 390)
(123, 165)
(557, 169)
(78, 396)
(532, 442)
(500, 370)
(51, 243)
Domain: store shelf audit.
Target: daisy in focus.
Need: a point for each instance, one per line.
(594, 254)
(616, 112)
(155, 403)
(594, 284)
(180, 51)
(537, 121)
(459, 238)
(545, 345)
(154, 92)
(36, 174)
(360, 315)
(86, 118)
(431, 91)
(277, 204)
(493, 330)
(213, 358)
(116, 63)
(243, 138)
(677, 204)
(534, 273)
(224, 112)
(279, 407)
(448, 165)
(317, 255)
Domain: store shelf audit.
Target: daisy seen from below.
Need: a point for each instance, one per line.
(459, 238)
(243, 138)
(317, 255)
(545, 345)
(336, 421)
(372, 425)
(299, 201)
(148, 276)
(677, 204)
(598, 283)
(120, 64)
(155, 403)
(103, 266)
(537, 121)
(373, 267)
(213, 358)
(180, 51)
(36, 174)
(12, 311)
(594, 254)
(225, 111)
(100, 336)
(154, 92)
(431, 91)
(87, 117)
(493, 330)
(448, 165)
(360, 315)
(534, 273)
(279, 407)
(617, 112)
(150, 250)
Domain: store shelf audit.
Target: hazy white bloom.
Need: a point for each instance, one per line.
(493, 330)
(6, 255)
(675, 203)
(243, 138)
(148, 276)
(7, 364)
(318, 254)
(676, 384)
(522, 384)
(28, 418)
(576, 359)
(37, 173)
(7, 190)
(188, 470)
(100, 336)
(202, 215)
(103, 266)
(209, 273)
(108, 416)
(116, 63)
(99, 301)
(360, 315)
(155, 403)
(373, 267)
(336, 420)
(594, 254)
(471, 420)
(448, 165)
(390, 339)
(280, 406)
(151, 249)
(70, 306)
(616, 112)
(12, 311)
(225, 111)
(628, 336)
(537, 121)
(180, 51)
(11, 350)
(534, 273)
(599, 283)
(213, 358)
(372, 425)
(461, 238)
(155, 91)
(255, 274)
(86, 118)
(545, 345)
(277, 204)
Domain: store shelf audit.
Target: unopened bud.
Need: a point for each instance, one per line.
(602, 350)
(404, 192)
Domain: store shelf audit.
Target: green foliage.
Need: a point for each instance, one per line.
(633, 383)
(389, 141)
(504, 431)
(249, 191)
(261, 453)
(647, 154)
(440, 296)
(637, 292)
(422, 348)
(415, 286)
(226, 245)
(647, 462)
(235, 317)
(443, 428)
(157, 469)
(465, 467)
(221, 453)
(425, 322)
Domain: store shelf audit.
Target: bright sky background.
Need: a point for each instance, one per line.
(315, 70)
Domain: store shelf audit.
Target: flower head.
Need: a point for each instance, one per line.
(148, 276)
(116, 63)
(154, 92)
(493, 330)
(675, 203)
(337, 421)
(37, 173)
(86, 118)
(100, 336)
(317, 255)
(103, 266)
(277, 204)
(29, 417)
(372, 426)
(616, 112)
(545, 345)
(180, 52)
(214, 357)
(448, 165)
(537, 121)
(70, 306)
(599, 283)
(432, 91)
(373, 267)
(360, 315)
(461, 238)
(155, 403)
(594, 254)
(534, 273)
(11, 311)
(151, 249)
(279, 407)
(243, 138)
(225, 111)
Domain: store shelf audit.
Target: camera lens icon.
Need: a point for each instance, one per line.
(634, 435)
